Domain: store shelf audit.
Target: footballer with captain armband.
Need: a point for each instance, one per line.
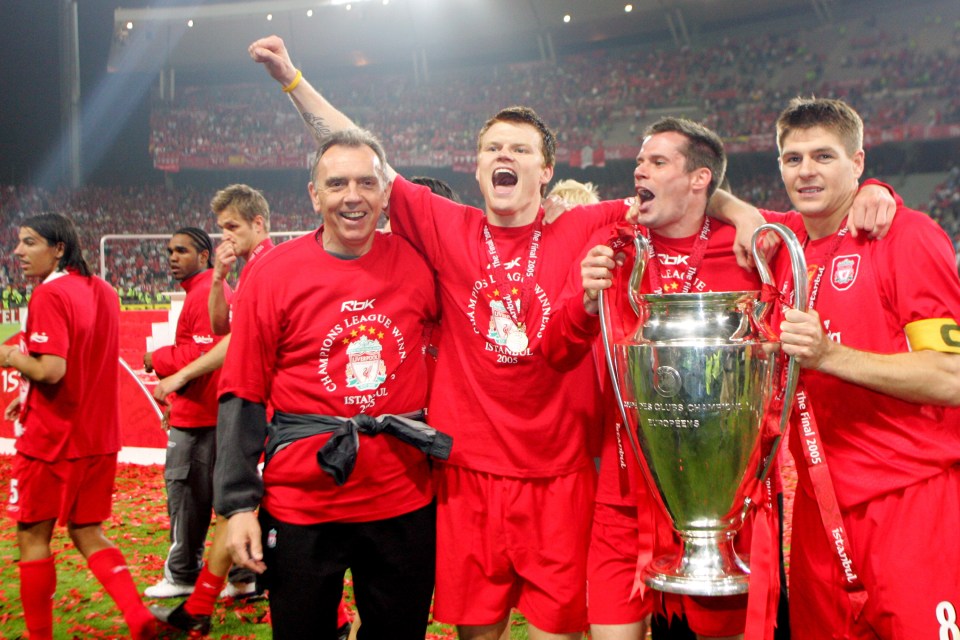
(875, 550)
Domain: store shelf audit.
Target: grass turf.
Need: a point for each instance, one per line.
(140, 528)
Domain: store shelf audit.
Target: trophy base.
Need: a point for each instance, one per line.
(708, 566)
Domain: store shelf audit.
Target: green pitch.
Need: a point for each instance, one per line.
(7, 330)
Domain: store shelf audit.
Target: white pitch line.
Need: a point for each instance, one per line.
(134, 455)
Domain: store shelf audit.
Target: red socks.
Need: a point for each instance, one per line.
(110, 568)
(343, 614)
(38, 582)
(205, 593)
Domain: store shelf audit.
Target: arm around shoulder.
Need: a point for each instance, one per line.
(726, 207)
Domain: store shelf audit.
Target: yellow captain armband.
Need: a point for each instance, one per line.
(934, 334)
(294, 83)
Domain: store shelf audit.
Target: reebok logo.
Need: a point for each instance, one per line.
(668, 260)
(357, 305)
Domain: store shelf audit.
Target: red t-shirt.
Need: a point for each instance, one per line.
(573, 333)
(321, 335)
(258, 251)
(76, 318)
(870, 291)
(509, 414)
(195, 405)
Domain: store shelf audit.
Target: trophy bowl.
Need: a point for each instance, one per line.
(698, 381)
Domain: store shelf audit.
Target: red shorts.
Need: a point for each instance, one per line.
(905, 549)
(513, 542)
(78, 491)
(710, 616)
(615, 543)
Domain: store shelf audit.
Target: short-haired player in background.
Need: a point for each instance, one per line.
(877, 426)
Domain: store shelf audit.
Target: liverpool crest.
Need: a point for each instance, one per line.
(844, 271)
(365, 369)
(501, 324)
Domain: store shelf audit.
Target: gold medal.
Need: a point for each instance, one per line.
(517, 341)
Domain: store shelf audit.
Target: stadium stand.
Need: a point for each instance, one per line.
(903, 76)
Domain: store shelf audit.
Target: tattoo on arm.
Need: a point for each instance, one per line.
(317, 125)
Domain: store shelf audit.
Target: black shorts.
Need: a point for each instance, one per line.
(392, 562)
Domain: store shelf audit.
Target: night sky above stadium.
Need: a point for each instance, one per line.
(30, 100)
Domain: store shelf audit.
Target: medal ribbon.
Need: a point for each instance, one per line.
(815, 456)
(528, 282)
(829, 256)
(696, 259)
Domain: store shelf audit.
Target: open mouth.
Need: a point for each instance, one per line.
(504, 180)
(645, 195)
(352, 215)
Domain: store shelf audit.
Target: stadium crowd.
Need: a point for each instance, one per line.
(138, 268)
(944, 205)
(898, 75)
(729, 86)
(140, 275)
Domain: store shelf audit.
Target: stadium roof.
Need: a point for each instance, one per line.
(344, 33)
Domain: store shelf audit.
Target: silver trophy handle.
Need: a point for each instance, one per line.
(641, 247)
(642, 251)
(798, 267)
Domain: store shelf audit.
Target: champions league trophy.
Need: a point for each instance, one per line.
(695, 381)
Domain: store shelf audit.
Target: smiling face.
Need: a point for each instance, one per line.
(184, 258)
(512, 173)
(38, 258)
(672, 200)
(821, 177)
(349, 191)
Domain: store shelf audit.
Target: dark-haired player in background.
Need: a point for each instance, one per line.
(191, 447)
(69, 416)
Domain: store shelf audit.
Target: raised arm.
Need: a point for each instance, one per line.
(217, 305)
(321, 117)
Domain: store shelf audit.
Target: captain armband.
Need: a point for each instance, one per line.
(934, 334)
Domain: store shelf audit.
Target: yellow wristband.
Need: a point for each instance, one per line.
(294, 83)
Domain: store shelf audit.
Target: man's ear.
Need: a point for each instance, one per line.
(700, 179)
